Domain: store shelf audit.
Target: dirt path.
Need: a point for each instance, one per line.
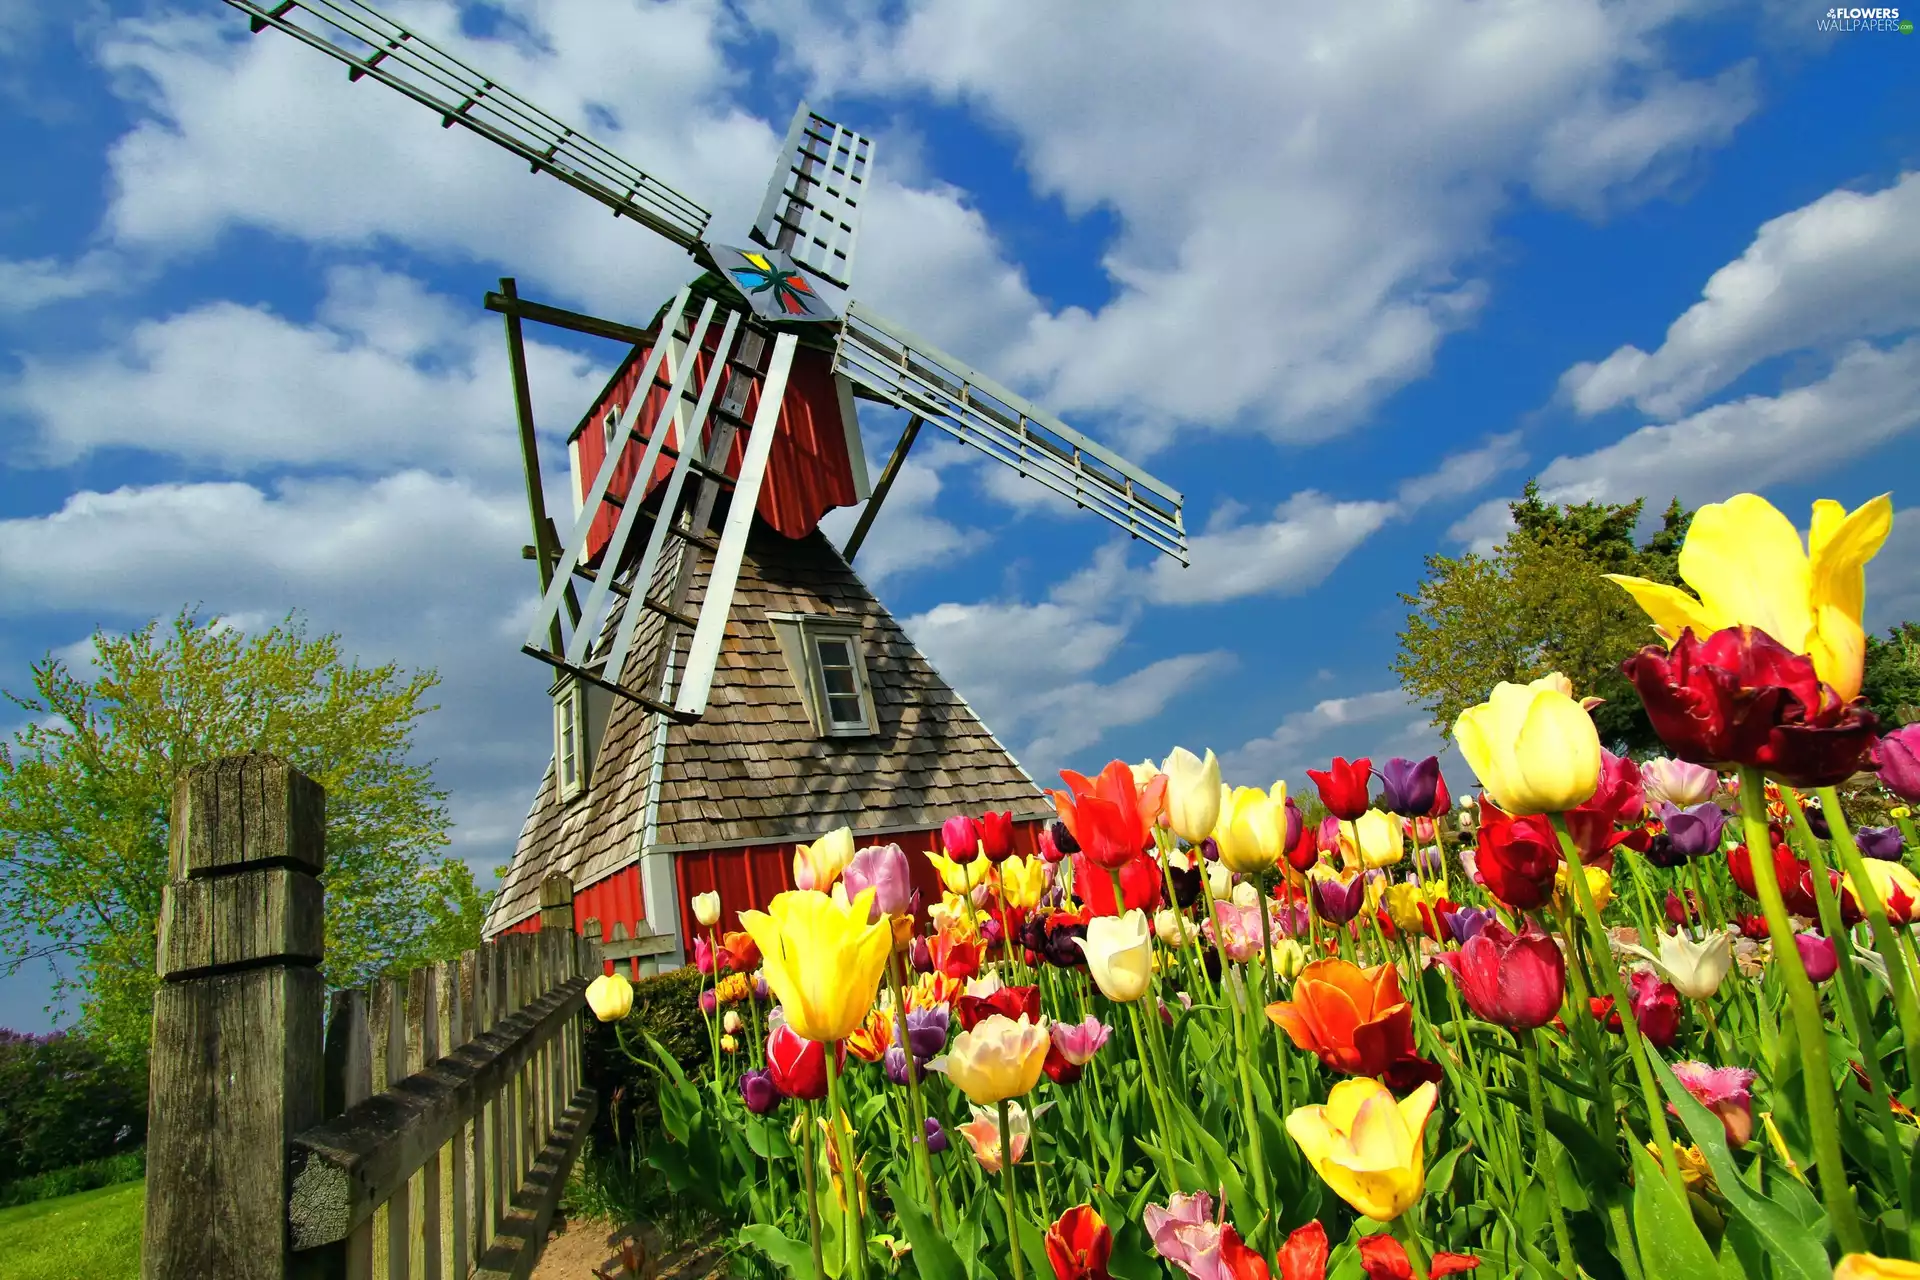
(586, 1248)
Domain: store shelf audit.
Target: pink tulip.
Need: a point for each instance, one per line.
(1677, 783)
(1237, 929)
(1725, 1091)
(882, 868)
(1186, 1234)
(960, 837)
(1079, 1041)
(1818, 954)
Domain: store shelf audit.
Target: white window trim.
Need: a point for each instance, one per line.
(810, 629)
(569, 697)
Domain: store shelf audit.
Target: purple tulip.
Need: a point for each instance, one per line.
(921, 955)
(1467, 923)
(1899, 754)
(759, 1091)
(1339, 902)
(1409, 785)
(927, 1031)
(1817, 822)
(1294, 823)
(991, 932)
(1327, 838)
(1210, 849)
(1428, 862)
(1879, 842)
(1289, 918)
(1818, 954)
(882, 868)
(894, 1063)
(1062, 838)
(761, 991)
(1695, 831)
(936, 1137)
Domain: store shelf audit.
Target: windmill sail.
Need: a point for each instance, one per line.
(812, 207)
(913, 374)
(372, 44)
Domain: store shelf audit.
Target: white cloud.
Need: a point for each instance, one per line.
(1484, 527)
(1463, 473)
(1893, 576)
(1846, 266)
(906, 535)
(1301, 190)
(1376, 725)
(1309, 535)
(31, 283)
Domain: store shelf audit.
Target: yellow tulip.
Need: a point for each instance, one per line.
(959, 877)
(610, 996)
(1193, 794)
(1119, 951)
(1867, 1266)
(1289, 957)
(1403, 906)
(1532, 746)
(1745, 561)
(1252, 832)
(1366, 1146)
(818, 865)
(951, 915)
(1381, 839)
(823, 960)
(1599, 884)
(1898, 889)
(1022, 881)
(998, 1059)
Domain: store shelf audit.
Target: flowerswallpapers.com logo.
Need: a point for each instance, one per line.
(1842, 19)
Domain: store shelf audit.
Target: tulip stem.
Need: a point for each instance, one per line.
(1562, 1243)
(1153, 1096)
(916, 1112)
(1804, 1004)
(1410, 1241)
(1600, 957)
(813, 1194)
(1885, 939)
(1006, 1191)
(855, 1238)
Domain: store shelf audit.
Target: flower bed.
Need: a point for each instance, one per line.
(1572, 1025)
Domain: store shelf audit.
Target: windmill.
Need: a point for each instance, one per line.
(735, 405)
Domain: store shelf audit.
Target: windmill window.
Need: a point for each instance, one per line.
(610, 423)
(840, 683)
(569, 740)
(829, 668)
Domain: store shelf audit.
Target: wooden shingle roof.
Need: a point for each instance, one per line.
(755, 770)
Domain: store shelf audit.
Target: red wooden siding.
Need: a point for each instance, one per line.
(808, 471)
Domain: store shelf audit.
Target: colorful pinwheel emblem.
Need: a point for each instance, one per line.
(787, 288)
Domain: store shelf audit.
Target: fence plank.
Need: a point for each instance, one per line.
(348, 1081)
(502, 1125)
(235, 1066)
(399, 1215)
(518, 1248)
(459, 1008)
(430, 1208)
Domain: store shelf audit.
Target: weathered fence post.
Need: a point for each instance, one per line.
(236, 1059)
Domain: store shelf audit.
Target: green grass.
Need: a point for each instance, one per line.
(91, 1236)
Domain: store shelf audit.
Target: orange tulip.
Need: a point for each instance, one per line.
(870, 1040)
(1355, 1020)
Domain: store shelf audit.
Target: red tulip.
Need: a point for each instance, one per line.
(1739, 697)
(1441, 800)
(1010, 1001)
(799, 1065)
(1516, 857)
(1304, 1255)
(1058, 1068)
(1656, 1008)
(1110, 818)
(1078, 1245)
(1237, 1262)
(1343, 787)
(960, 837)
(1141, 885)
(1515, 979)
(996, 836)
(1384, 1258)
(956, 957)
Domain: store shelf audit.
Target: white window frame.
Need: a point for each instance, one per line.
(609, 423)
(569, 705)
(810, 630)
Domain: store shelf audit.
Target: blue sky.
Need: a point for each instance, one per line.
(1345, 275)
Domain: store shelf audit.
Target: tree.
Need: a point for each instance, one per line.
(1892, 675)
(86, 787)
(1538, 603)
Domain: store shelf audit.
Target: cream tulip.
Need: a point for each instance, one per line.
(1172, 928)
(1193, 794)
(610, 996)
(1119, 951)
(706, 909)
(1381, 839)
(1533, 747)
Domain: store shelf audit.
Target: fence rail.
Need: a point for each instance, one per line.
(270, 1154)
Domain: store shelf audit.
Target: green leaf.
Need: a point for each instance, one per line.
(1670, 1243)
(794, 1255)
(1781, 1235)
(1440, 1176)
(769, 1141)
(1597, 1156)
(933, 1257)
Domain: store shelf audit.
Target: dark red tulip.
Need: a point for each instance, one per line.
(1656, 1008)
(1058, 1069)
(1078, 1245)
(1517, 857)
(996, 836)
(798, 1065)
(1740, 697)
(1343, 787)
(1442, 801)
(1010, 1001)
(1515, 979)
(960, 837)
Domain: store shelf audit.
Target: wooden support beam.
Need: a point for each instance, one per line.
(880, 488)
(510, 304)
(530, 450)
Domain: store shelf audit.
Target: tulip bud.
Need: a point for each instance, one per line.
(1289, 957)
(728, 1044)
(1193, 794)
(706, 909)
(937, 1140)
(1818, 955)
(996, 836)
(759, 1092)
(610, 996)
(1172, 928)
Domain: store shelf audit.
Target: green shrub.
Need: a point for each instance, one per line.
(64, 1101)
(667, 1007)
(128, 1166)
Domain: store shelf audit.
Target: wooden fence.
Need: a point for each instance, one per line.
(269, 1154)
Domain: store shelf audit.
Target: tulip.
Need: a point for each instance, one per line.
(731, 1024)
(1245, 894)
(1289, 957)
(1078, 1042)
(1517, 980)
(1693, 831)
(759, 1092)
(610, 996)
(706, 909)
(1818, 956)
(818, 865)
(1022, 882)
(1252, 832)
(1185, 1233)
(1354, 1020)
(955, 955)
(823, 959)
(1878, 842)
(1403, 906)
(1343, 786)
(1745, 561)
(1533, 747)
(729, 1044)
(1739, 697)
(1236, 928)
(997, 1059)
(1696, 969)
(1725, 1091)
(937, 1140)
(798, 1066)
(1008, 1002)
(1466, 924)
(960, 837)
(959, 877)
(1898, 888)
(1062, 837)
(1409, 786)
(996, 836)
(1599, 884)
(1078, 1245)
(1173, 928)
(1193, 794)
(883, 869)
(1119, 952)
(1384, 1258)
(1141, 884)
(709, 1000)
(983, 1135)
(1110, 816)
(1380, 838)
(1678, 783)
(1304, 1255)
(739, 952)
(870, 1040)
(1656, 1008)
(1899, 755)
(1338, 899)
(1366, 1146)
(1867, 1266)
